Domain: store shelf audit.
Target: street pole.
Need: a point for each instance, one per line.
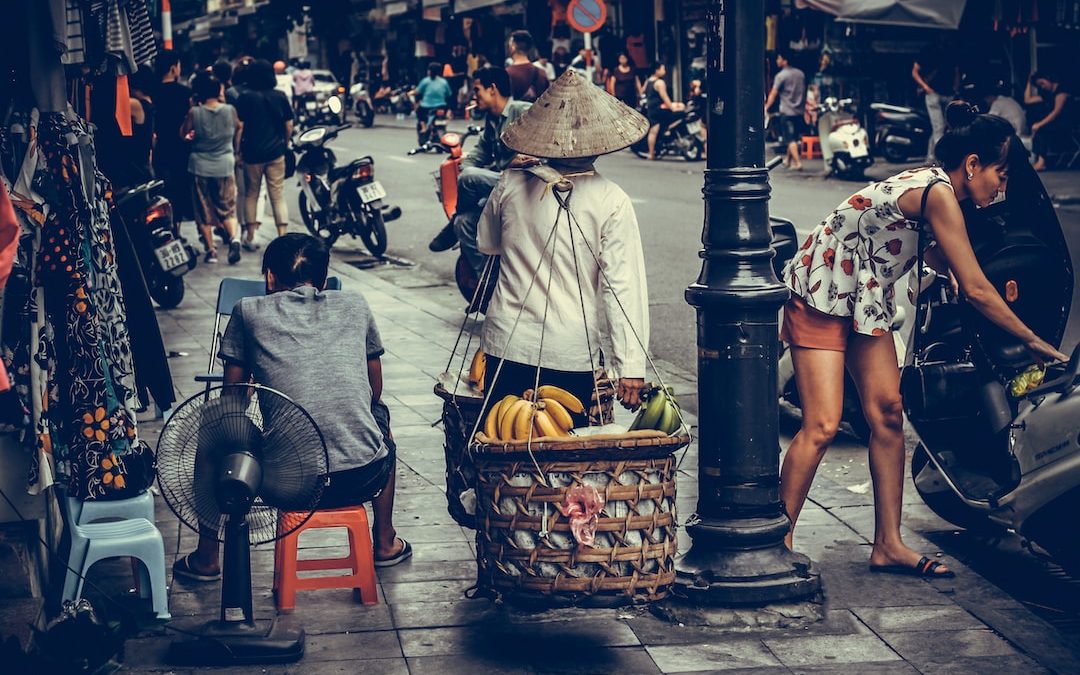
(738, 554)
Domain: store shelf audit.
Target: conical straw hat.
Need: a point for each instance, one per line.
(575, 118)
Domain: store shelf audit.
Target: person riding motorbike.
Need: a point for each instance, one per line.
(484, 163)
(303, 86)
(432, 95)
(843, 283)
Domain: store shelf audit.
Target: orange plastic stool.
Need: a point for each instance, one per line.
(811, 147)
(361, 558)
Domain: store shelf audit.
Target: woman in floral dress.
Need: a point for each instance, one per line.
(843, 283)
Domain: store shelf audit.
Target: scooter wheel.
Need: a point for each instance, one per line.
(168, 293)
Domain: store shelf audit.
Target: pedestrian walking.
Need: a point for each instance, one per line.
(623, 82)
(938, 78)
(526, 80)
(586, 273)
(172, 101)
(128, 161)
(214, 130)
(843, 283)
(789, 86)
(268, 125)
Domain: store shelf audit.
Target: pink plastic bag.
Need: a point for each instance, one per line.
(582, 506)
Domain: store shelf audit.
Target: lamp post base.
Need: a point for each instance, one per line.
(728, 564)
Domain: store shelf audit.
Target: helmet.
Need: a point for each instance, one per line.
(279, 66)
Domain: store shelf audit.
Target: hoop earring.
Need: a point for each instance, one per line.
(970, 176)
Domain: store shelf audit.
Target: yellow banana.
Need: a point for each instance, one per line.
(523, 421)
(477, 369)
(559, 414)
(491, 424)
(546, 426)
(568, 400)
(510, 414)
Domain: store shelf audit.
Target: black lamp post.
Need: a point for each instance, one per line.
(738, 554)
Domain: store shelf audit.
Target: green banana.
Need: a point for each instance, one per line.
(636, 424)
(667, 418)
(654, 409)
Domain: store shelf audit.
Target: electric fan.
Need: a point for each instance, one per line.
(228, 461)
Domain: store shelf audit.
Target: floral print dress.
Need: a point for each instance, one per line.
(850, 263)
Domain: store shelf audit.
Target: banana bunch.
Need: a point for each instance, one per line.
(515, 418)
(1027, 380)
(660, 411)
(477, 369)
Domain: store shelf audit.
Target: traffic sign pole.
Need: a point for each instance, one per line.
(587, 16)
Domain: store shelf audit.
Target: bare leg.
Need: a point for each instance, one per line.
(207, 232)
(383, 531)
(819, 374)
(232, 229)
(654, 133)
(872, 362)
(793, 155)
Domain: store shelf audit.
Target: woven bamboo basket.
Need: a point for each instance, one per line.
(525, 551)
(459, 415)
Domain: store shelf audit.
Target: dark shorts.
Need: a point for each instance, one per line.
(661, 116)
(354, 487)
(214, 199)
(791, 128)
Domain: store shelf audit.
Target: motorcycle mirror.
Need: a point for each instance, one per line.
(334, 103)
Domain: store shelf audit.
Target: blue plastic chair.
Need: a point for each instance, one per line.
(134, 537)
(232, 290)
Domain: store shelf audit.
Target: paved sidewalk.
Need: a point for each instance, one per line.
(424, 624)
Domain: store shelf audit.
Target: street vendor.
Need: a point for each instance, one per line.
(564, 294)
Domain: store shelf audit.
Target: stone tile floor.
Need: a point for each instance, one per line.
(424, 623)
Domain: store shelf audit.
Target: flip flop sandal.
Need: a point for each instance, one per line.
(182, 568)
(924, 568)
(404, 554)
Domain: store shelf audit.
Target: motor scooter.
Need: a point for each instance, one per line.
(362, 104)
(681, 136)
(900, 133)
(430, 132)
(164, 256)
(991, 456)
(845, 145)
(311, 113)
(337, 200)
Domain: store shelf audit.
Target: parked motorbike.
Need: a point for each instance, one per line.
(845, 145)
(430, 132)
(311, 113)
(340, 200)
(992, 455)
(681, 136)
(164, 256)
(362, 105)
(900, 133)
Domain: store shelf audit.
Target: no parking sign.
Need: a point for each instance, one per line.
(586, 15)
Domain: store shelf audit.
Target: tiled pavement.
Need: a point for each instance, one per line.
(424, 624)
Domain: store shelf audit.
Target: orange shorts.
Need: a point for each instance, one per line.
(807, 327)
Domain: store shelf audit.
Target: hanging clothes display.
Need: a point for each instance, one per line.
(65, 338)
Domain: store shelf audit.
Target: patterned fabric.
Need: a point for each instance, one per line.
(74, 45)
(73, 362)
(142, 34)
(850, 263)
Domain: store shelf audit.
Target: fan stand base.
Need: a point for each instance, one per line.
(224, 644)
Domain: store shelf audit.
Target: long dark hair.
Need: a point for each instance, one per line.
(988, 137)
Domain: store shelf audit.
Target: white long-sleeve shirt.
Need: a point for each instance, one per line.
(516, 224)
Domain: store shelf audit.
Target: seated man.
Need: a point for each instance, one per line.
(271, 339)
(484, 163)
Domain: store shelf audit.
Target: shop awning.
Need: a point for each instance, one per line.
(468, 5)
(917, 13)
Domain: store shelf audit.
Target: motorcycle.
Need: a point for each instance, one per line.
(992, 455)
(845, 145)
(311, 113)
(340, 200)
(164, 256)
(900, 133)
(362, 106)
(681, 136)
(430, 132)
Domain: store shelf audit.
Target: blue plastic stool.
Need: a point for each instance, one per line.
(134, 537)
(94, 510)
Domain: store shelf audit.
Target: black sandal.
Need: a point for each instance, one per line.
(924, 568)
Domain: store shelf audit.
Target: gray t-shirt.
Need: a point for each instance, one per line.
(212, 148)
(313, 346)
(790, 84)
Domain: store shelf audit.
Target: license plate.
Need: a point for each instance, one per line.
(369, 192)
(693, 127)
(171, 255)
